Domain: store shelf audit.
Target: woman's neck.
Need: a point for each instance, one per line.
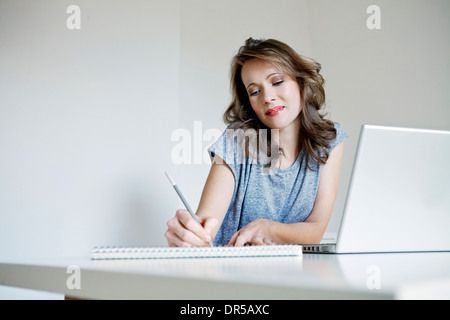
(289, 144)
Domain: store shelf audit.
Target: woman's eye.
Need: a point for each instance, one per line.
(254, 93)
(278, 83)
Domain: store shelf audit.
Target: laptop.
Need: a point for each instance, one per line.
(399, 194)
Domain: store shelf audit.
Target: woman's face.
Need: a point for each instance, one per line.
(274, 96)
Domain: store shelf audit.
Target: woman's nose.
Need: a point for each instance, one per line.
(269, 95)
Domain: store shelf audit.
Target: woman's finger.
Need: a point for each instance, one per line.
(178, 235)
(189, 223)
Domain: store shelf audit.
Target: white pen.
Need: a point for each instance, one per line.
(182, 197)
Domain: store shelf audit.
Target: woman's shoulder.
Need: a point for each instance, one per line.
(227, 144)
(339, 129)
(341, 136)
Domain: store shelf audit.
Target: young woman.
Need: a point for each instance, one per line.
(288, 200)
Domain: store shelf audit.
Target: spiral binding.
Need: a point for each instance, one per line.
(119, 253)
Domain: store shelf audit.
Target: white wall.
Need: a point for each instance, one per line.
(87, 116)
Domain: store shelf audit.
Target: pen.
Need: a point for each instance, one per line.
(174, 185)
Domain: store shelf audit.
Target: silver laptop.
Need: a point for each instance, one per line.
(399, 194)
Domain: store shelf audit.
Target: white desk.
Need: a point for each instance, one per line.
(313, 276)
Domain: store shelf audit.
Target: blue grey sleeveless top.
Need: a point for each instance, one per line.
(283, 195)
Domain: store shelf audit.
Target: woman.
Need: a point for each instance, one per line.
(289, 199)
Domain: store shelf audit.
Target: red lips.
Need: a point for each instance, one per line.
(274, 111)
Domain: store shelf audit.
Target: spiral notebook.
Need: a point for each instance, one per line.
(123, 253)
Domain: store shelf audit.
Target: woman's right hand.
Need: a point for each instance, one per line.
(184, 231)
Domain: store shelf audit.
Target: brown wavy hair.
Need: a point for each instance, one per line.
(316, 132)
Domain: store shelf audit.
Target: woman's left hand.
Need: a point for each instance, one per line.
(257, 232)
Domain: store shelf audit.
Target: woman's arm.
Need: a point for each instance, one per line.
(217, 193)
(311, 231)
(183, 230)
